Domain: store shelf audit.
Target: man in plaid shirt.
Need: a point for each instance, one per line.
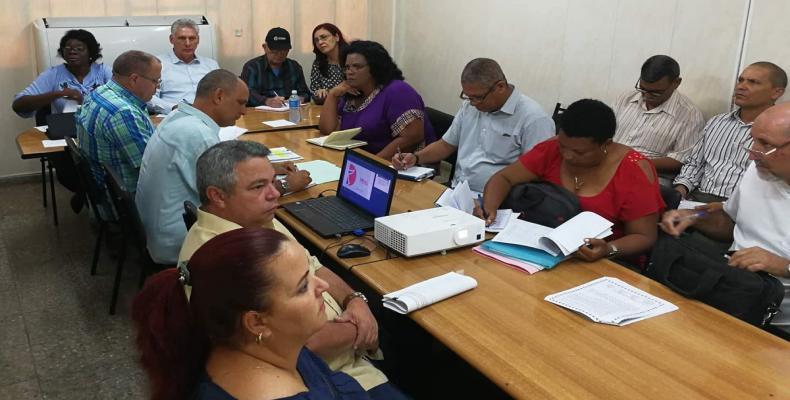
(272, 76)
(113, 126)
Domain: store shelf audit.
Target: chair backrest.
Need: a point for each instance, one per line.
(441, 122)
(96, 194)
(125, 207)
(41, 115)
(556, 116)
(190, 214)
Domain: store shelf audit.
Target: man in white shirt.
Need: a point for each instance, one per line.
(756, 216)
(182, 68)
(657, 120)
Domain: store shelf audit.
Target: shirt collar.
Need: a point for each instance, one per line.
(175, 60)
(669, 106)
(125, 93)
(736, 115)
(189, 109)
(219, 225)
(510, 104)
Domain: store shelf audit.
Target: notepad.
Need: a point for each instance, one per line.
(276, 109)
(339, 140)
(230, 133)
(279, 154)
(320, 171)
(428, 292)
(279, 123)
(689, 205)
(611, 301)
(562, 240)
(415, 173)
(53, 143)
(503, 218)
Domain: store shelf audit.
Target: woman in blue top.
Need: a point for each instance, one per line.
(68, 82)
(254, 302)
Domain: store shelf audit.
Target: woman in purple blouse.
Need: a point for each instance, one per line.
(375, 98)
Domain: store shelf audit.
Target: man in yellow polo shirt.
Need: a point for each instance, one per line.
(235, 181)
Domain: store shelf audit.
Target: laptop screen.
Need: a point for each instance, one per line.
(366, 183)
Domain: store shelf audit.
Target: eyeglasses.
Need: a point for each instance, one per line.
(78, 49)
(321, 38)
(478, 99)
(353, 67)
(152, 80)
(652, 93)
(762, 154)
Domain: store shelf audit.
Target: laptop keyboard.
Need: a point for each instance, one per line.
(344, 217)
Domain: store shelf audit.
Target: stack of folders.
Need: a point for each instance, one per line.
(534, 247)
(611, 301)
(280, 154)
(428, 292)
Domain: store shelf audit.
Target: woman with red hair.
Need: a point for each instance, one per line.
(254, 303)
(326, 72)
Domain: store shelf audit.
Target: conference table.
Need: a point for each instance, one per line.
(30, 142)
(531, 348)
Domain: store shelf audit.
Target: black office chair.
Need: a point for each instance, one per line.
(556, 116)
(131, 229)
(441, 121)
(95, 194)
(190, 214)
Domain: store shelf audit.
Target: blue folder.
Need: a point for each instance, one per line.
(523, 253)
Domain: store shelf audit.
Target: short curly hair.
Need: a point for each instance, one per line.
(94, 49)
(588, 118)
(382, 67)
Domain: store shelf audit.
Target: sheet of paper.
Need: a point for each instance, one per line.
(43, 128)
(502, 219)
(276, 109)
(464, 197)
(53, 143)
(279, 154)
(70, 106)
(689, 205)
(230, 132)
(279, 123)
(611, 301)
(570, 235)
(523, 233)
(320, 171)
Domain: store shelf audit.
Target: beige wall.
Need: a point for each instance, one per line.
(357, 18)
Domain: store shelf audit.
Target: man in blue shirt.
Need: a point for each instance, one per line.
(182, 68)
(167, 174)
(272, 76)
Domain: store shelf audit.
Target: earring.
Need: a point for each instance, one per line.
(604, 149)
(259, 338)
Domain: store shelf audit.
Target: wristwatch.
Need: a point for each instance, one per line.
(352, 296)
(284, 184)
(787, 270)
(613, 250)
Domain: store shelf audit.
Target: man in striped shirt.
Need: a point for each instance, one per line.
(657, 120)
(113, 126)
(718, 160)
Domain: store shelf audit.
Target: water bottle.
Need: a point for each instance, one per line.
(294, 114)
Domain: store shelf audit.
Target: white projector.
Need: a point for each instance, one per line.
(429, 231)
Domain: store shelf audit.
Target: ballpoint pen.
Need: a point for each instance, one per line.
(482, 208)
(400, 156)
(696, 215)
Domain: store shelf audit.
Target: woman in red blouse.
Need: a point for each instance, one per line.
(610, 179)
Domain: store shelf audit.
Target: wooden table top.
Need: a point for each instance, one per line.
(29, 141)
(534, 349)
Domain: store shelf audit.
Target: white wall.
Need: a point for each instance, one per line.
(766, 38)
(564, 50)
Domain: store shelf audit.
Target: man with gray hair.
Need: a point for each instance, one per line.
(494, 126)
(112, 125)
(236, 184)
(182, 68)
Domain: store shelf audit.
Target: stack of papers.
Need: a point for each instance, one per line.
(279, 123)
(277, 109)
(280, 154)
(427, 292)
(611, 301)
(415, 173)
(230, 133)
(463, 198)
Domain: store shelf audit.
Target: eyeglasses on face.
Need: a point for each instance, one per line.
(760, 154)
(651, 93)
(157, 81)
(76, 49)
(322, 38)
(478, 99)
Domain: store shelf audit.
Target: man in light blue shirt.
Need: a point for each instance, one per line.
(182, 69)
(494, 126)
(167, 175)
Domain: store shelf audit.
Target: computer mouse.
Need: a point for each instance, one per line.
(352, 250)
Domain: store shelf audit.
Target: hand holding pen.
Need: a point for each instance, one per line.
(675, 222)
(403, 161)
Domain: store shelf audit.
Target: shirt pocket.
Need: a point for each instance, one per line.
(499, 145)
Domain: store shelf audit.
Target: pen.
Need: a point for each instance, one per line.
(691, 216)
(277, 95)
(400, 156)
(482, 208)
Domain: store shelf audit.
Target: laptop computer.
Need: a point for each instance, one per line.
(364, 192)
(61, 125)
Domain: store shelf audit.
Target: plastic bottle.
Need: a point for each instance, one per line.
(294, 114)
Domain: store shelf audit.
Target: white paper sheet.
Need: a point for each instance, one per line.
(53, 143)
(230, 132)
(689, 205)
(523, 233)
(43, 128)
(70, 106)
(279, 123)
(503, 218)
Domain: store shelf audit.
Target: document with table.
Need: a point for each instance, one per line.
(611, 301)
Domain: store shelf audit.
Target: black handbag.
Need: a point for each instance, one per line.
(542, 203)
(697, 270)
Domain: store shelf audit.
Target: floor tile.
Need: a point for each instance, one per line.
(26, 390)
(16, 360)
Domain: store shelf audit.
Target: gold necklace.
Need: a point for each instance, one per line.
(577, 183)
